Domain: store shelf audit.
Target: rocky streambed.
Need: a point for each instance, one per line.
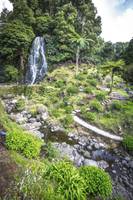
(80, 146)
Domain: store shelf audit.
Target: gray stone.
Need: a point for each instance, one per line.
(131, 164)
(103, 164)
(44, 116)
(86, 154)
(19, 118)
(32, 120)
(88, 162)
(42, 109)
(96, 146)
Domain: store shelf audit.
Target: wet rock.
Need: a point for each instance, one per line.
(103, 164)
(32, 120)
(42, 109)
(96, 146)
(19, 118)
(131, 164)
(86, 154)
(44, 116)
(32, 126)
(127, 158)
(88, 162)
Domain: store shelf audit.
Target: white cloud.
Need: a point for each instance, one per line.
(116, 25)
(5, 4)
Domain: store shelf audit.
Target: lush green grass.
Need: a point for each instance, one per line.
(17, 139)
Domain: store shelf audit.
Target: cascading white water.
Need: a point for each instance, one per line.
(37, 65)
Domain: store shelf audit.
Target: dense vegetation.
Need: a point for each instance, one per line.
(84, 74)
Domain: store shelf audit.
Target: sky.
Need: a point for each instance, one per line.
(117, 18)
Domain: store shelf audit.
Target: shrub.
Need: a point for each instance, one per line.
(50, 151)
(20, 105)
(101, 96)
(24, 143)
(128, 142)
(88, 115)
(32, 185)
(116, 105)
(60, 83)
(88, 90)
(68, 109)
(96, 106)
(72, 90)
(11, 73)
(67, 121)
(68, 181)
(80, 77)
(93, 82)
(98, 182)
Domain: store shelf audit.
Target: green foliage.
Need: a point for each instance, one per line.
(42, 25)
(80, 77)
(92, 82)
(129, 53)
(98, 182)
(67, 121)
(101, 96)
(96, 106)
(60, 84)
(32, 185)
(88, 115)
(19, 140)
(15, 40)
(23, 143)
(11, 73)
(72, 89)
(22, 12)
(68, 181)
(20, 104)
(60, 23)
(50, 151)
(116, 105)
(128, 142)
(128, 73)
(88, 90)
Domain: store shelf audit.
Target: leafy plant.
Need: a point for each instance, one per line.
(88, 115)
(116, 105)
(88, 90)
(11, 73)
(96, 106)
(92, 82)
(23, 143)
(128, 142)
(101, 96)
(98, 182)
(72, 90)
(20, 104)
(67, 121)
(68, 181)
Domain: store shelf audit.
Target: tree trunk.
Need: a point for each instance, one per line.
(112, 82)
(77, 60)
(22, 67)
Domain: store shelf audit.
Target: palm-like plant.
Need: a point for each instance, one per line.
(110, 67)
(80, 43)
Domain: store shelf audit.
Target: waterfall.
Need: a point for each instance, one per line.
(37, 65)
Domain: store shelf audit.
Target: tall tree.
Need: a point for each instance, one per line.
(15, 40)
(21, 11)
